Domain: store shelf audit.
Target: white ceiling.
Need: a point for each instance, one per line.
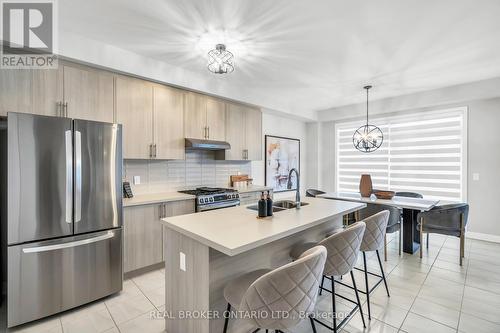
(306, 55)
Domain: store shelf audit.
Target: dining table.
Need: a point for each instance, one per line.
(410, 208)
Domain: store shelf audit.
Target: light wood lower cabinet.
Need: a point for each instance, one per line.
(143, 232)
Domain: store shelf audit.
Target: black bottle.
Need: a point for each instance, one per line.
(262, 206)
(269, 203)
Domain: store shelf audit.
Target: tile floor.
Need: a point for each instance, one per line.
(433, 295)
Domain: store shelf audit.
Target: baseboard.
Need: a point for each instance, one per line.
(484, 237)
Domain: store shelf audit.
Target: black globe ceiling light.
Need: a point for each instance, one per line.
(367, 138)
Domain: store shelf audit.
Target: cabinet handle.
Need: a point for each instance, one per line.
(154, 146)
(150, 151)
(208, 132)
(65, 108)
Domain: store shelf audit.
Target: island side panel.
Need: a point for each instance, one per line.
(185, 290)
(224, 268)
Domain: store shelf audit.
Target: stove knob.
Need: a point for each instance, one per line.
(201, 200)
(234, 196)
(237, 195)
(211, 199)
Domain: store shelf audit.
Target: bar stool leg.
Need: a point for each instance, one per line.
(313, 325)
(321, 287)
(333, 306)
(385, 247)
(226, 321)
(357, 298)
(367, 288)
(383, 275)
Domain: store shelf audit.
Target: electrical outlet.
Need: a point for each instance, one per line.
(475, 176)
(182, 261)
(137, 180)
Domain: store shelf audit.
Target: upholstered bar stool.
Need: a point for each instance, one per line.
(343, 248)
(373, 240)
(393, 224)
(290, 289)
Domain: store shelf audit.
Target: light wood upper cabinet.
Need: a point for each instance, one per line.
(38, 91)
(235, 131)
(168, 122)
(88, 94)
(253, 134)
(134, 110)
(243, 132)
(204, 117)
(195, 116)
(216, 124)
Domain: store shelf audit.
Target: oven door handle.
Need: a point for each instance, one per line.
(213, 206)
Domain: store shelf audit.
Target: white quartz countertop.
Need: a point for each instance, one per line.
(235, 230)
(153, 198)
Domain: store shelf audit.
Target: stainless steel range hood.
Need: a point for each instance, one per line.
(200, 144)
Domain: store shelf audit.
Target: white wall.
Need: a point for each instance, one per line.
(483, 145)
(273, 124)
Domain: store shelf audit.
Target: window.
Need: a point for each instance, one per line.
(422, 152)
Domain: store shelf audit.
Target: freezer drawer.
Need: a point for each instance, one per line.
(48, 277)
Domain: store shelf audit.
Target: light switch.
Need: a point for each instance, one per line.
(137, 180)
(182, 261)
(475, 176)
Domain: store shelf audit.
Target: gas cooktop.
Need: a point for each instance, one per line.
(209, 198)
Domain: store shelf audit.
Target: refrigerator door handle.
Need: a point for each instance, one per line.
(78, 176)
(69, 176)
(37, 249)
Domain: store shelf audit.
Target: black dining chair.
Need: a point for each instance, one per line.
(313, 193)
(393, 225)
(447, 220)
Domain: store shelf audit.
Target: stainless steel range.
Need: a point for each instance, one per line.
(209, 198)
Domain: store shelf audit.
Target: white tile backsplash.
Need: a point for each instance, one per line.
(199, 168)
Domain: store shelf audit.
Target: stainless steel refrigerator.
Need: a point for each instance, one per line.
(64, 214)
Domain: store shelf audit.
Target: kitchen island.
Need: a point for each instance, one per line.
(204, 251)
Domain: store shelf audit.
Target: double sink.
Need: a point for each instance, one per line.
(278, 206)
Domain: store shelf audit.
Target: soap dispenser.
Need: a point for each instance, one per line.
(269, 203)
(262, 206)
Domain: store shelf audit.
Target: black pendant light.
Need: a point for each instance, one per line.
(367, 138)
